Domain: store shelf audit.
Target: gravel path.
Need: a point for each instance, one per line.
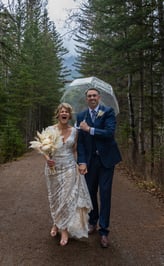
(137, 223)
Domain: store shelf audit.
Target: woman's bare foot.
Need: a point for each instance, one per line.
(64, 238)
(54, 231)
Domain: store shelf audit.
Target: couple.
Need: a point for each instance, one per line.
(96, 153)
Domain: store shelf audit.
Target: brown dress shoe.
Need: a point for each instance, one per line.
(104, 242)
(91, 229)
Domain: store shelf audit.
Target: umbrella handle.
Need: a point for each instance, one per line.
(75, 125)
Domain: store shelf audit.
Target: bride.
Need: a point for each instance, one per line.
(67, 191)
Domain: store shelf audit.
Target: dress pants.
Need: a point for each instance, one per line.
(99, 179)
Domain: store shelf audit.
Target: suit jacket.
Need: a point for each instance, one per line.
(105, 125)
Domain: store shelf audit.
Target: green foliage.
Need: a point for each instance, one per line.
(31, 71)
(11, 142)
(122, 43)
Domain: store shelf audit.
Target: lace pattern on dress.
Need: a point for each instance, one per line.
(68, 194)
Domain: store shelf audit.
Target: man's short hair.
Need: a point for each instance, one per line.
(89, 89)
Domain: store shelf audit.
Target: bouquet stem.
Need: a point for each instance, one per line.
(51, 168)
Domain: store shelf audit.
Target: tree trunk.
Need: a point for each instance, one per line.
(132, 120)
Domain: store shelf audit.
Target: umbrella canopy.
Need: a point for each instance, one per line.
(75, 93)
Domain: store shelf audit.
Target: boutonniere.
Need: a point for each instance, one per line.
(100, 113)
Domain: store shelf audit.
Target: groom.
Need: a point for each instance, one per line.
(98, 154)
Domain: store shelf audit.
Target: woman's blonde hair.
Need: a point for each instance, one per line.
(67, 106)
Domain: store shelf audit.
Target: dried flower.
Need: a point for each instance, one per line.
(47, 142)
(100, 113)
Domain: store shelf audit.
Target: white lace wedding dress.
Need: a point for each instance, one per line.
(67, 191)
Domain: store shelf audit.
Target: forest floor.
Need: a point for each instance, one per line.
(137, 223)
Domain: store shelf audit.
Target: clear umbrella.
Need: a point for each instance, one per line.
(75, 93)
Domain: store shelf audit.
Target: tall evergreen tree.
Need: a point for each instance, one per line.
(34, 75)
(122, 43)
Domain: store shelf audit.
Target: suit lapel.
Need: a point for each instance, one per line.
(98, 118)
(87, 116)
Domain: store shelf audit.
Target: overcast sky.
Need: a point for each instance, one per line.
(58, 10)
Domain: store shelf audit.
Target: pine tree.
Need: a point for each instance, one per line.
(33, 73)
(122, 43)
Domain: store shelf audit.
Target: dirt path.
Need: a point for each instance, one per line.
(137, 224)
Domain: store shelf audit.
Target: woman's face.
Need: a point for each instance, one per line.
(64, 116)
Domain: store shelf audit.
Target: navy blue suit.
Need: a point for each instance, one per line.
(101, 153)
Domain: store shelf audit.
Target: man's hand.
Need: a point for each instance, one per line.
(83, 169)
(84, 126)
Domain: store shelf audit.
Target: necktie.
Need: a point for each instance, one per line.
(93, 116)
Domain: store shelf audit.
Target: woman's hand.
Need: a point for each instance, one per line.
(83, 169)
(51, 163)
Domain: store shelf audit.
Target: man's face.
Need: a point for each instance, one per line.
(92, 98)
